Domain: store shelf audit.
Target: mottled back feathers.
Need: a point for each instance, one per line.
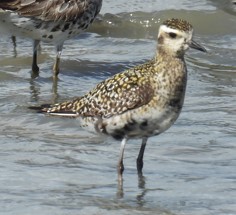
(116, 95)
(52, 10)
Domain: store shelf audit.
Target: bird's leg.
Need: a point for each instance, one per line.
(13, 38)
(140, 156)
(54, 89)
(56, 68)
(120, 165)
(35, 68)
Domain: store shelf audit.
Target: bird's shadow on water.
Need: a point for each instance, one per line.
(35, 89)
(124, 199)
(101, 196)
(142, 186)
(141, 182)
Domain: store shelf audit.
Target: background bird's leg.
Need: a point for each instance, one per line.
(54, 89)
(140, 156)
(57, 62)
(35, 68)
(13, 39)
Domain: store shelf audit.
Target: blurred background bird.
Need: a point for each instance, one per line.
(49, 21)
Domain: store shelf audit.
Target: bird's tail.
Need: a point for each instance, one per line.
(45, 108)
(40, 109)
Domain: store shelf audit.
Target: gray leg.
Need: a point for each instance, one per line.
(120, 165)
(57, 62)
(35, 67)
(140, 156)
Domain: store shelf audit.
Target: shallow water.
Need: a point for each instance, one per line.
(50, 166)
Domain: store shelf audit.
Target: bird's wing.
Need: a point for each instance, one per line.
(52, 10)
(114, 96)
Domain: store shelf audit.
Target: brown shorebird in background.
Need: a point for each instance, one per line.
(52, 21)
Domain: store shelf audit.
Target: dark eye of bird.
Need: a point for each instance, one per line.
(172, 35)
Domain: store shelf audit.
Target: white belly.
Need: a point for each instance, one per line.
(12, 24)
(135, 125)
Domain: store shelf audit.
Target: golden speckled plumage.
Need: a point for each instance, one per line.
(143, 101)
(122, 92)
(178, 24)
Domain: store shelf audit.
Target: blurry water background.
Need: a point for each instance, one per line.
(50, 166)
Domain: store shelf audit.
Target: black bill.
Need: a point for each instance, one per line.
(197, 46)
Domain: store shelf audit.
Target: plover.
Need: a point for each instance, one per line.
(49, 21)
(140, 102)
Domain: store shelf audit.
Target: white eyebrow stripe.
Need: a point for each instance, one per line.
(168, 30)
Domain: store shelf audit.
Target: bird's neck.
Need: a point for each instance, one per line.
(169, 63)
(171, 68)
(169, 54)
